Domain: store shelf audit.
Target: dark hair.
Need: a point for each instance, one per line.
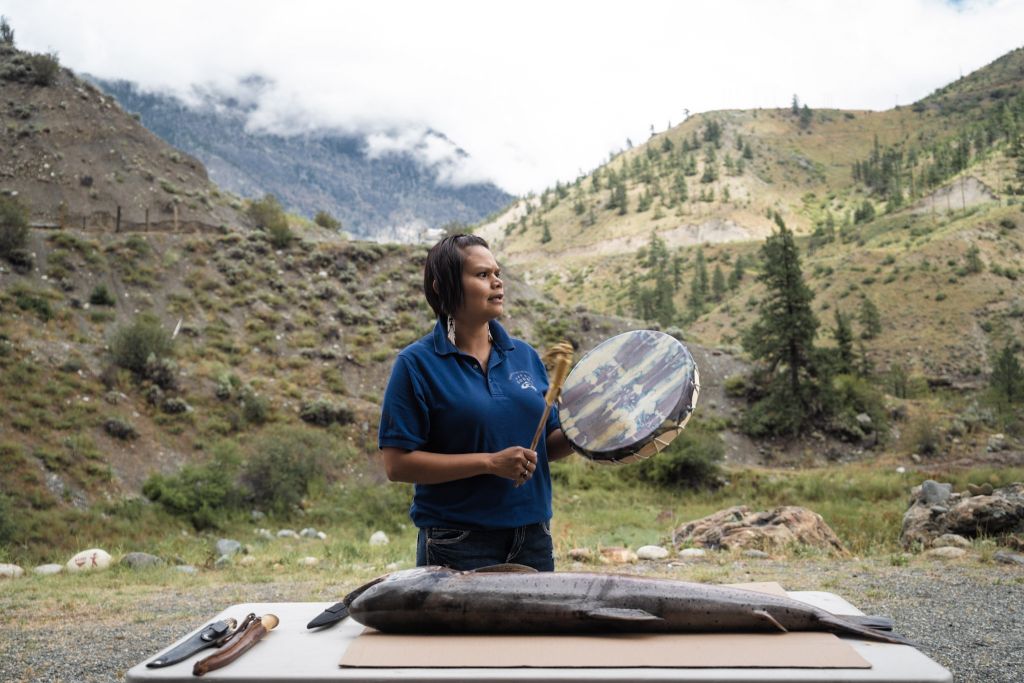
(444, 266)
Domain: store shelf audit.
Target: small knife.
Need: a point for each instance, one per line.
(213, 635)
(331, 615)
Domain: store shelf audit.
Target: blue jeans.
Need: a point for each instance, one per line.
(465, 549)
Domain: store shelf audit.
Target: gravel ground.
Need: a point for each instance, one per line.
(967, 616)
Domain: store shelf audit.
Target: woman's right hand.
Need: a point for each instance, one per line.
(515, 463)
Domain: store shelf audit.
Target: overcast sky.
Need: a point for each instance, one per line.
(533, 91)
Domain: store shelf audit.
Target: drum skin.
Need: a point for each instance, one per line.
(629, 397)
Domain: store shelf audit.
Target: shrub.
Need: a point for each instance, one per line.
(691, 460)
(45, 67)
(8, 528)
(268, 214)
(30, 301)
(13, 226)
(120, 430)
(201, 493)
(282, 465)
(326, 220)
(324, 413)
(132, 346)
(255, 408)
(101, 296)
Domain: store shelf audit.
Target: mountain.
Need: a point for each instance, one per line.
(915, 210)
(75, 158)
(393, 195)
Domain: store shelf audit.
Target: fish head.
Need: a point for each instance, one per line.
(405, 589)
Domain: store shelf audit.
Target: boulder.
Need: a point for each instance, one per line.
(693, 553)
(139, 560)
(618, 556)
(227, 546)
(94, 559)
(951, 541)
(964, 514)
(651, 552)
(48, 569)
(378, 538)
(581, 554)
(1008, 557)
(946, 553)
(740, 528)
(10, 571)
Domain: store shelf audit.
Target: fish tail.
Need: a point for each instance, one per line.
(841, 624)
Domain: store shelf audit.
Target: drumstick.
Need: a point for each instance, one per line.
(561, 356)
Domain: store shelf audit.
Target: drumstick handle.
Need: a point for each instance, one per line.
(540, 427)
(563, 358)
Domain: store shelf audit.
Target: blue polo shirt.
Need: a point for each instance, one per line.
(440, 400)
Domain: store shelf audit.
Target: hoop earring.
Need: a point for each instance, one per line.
(451, 331)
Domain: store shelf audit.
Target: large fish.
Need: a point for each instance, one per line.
(514, 599)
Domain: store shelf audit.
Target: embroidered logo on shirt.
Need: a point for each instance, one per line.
(523, 379)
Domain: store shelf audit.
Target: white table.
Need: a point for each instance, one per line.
(293, 653)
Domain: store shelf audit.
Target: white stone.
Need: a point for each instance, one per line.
(901, 469)
(693, 553)
(287, 533)
(321, 535)
(247, 560)
(264, 534)
(651, 552)
(309, 561)
(48, 569)
(951, 541)
(947, 553)
(379, 538)
(10, 571)
(186, 569)
(93, 559)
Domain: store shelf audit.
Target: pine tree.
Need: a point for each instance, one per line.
(783, 339)
(843, 334)
(795, 106)
(6, 32)
(546, 234)
(737, 273)
(974, 262)
(870, 321)
(718, 283)
(1007, 378)
(805, 117)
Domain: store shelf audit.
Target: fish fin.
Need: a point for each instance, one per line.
(506, 567)
(771, 620)
(875, 621)
(621, 614)
(842, 624)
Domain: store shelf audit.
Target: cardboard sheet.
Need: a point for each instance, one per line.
(816, 650)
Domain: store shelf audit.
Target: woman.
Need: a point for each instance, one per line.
(459, 413)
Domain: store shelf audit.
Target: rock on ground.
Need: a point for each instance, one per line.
(738, 527)
(933, 514)
(94, 559)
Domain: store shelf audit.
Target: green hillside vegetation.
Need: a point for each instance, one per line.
(912, 214)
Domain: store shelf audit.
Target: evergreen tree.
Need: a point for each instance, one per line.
(718, 283)
(546, 234)
(843, 334)
(795, 106)
(974, 262)
(805, 117)
(870, 321)
(1007, 378)
(783, 339)
(737, 273)
(6, 32)
(748, 151)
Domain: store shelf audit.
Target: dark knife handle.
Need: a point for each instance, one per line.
(212, 635)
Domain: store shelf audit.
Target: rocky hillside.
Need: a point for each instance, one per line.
(915, 210)
(393, 196)
(76, 159)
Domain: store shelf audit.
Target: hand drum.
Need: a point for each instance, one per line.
(629, 397)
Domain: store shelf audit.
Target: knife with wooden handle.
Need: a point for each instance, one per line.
(238, 645)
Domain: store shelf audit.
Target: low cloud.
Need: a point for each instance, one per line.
(533, 91)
